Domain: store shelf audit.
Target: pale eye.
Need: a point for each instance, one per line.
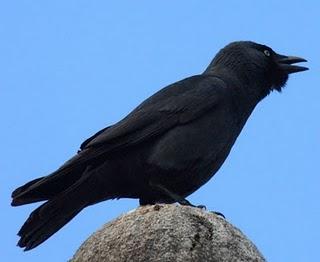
(267, 52)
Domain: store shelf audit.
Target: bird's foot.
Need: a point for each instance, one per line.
(203, 207)
(185, 202)
(218, 214)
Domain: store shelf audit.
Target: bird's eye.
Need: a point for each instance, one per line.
(267, 52)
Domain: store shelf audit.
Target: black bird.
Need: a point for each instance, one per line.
(166, 148)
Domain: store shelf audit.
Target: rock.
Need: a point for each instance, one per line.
(168, 233)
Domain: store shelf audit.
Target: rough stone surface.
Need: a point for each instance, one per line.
(168, 233)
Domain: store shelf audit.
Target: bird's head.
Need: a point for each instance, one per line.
(257, 65)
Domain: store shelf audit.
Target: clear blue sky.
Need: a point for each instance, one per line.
(70, 68)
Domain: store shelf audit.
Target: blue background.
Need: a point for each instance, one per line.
(70, 68)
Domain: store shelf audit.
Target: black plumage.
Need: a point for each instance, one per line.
(166, 148)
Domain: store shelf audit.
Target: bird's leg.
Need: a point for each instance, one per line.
(179, 199)
(174, 196)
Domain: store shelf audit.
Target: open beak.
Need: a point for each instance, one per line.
(286, 63)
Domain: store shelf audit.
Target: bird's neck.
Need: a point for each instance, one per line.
(250, 88)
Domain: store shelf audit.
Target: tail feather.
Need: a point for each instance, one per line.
(53, 215)
(45, 228)
(45, 188)
(23, 188)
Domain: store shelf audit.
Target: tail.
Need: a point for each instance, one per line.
(47, 187)
(54, 214)
(15, 194)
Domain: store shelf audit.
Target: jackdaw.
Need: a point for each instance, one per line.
(166, 148)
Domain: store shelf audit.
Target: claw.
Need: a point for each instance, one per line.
(218, 214)
(203, 207)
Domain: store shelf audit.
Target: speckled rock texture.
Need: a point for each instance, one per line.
(168, 233)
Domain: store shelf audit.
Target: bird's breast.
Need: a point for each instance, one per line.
(202, 138)
(193, 152)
